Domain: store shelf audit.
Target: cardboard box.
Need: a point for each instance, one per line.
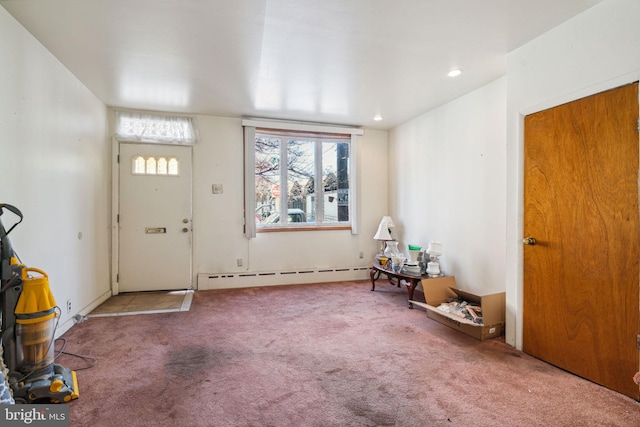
(443, 289)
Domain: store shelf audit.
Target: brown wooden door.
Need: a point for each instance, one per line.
(581, 278)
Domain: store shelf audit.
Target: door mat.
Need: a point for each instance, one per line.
(145, 303)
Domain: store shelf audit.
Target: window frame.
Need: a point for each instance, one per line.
(318, 141)
(346, 134)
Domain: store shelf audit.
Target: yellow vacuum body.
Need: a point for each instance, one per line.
(35, 322)
(37, 379)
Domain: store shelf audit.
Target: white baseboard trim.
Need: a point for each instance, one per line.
(246, 279)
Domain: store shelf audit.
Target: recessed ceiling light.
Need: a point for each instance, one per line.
(454, 73)
(377, 118)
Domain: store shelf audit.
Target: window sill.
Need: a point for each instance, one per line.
(294, 228)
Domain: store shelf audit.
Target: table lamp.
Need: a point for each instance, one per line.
(434, 250)
(384, 232)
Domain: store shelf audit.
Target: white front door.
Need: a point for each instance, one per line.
(154, 217)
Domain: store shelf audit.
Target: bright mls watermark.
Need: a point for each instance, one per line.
(34, 415)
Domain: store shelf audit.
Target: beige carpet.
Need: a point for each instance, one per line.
(144, 303)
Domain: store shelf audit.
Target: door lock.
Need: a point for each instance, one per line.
(185, 230)
(529, 241)
(185, 221)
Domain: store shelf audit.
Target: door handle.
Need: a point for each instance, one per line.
(529, 241)
(185, 221)
(185, 230)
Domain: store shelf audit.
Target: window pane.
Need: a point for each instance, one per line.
(151, 166)
(173, 166)
(138, 165)
(267, 173)
(300, 180)
(162, 166)
(335, 181)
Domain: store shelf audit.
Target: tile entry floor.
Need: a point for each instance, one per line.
(144, 303)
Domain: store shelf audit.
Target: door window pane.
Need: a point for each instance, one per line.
(151, 166)
(139, 165)
(173, 166)
(162, 166)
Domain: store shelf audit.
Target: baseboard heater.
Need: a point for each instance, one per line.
(247, 279)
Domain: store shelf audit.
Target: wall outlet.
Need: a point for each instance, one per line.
(239, 262)
(68, 306)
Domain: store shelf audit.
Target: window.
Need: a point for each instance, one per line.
(301, 179)
(155, 128)
(153, 166)
(299, 176)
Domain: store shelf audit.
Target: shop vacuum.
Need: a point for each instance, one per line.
(29, 319)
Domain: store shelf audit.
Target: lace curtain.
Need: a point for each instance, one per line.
(145, 127)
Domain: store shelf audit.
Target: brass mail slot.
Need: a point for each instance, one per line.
(155, 230)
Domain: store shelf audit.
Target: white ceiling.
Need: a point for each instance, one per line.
(328, 61)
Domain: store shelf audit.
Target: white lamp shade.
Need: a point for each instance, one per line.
(383, 232)
(383, 229)
(434, 248)
(389, 221)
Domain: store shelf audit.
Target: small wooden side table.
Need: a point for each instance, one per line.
(412, 280)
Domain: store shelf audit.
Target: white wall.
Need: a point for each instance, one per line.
(54, 166)
(595, 51)
(217, 218)
(447, 171)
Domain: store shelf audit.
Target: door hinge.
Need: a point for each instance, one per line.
(118, 158)
(118, 218)
(638, 338)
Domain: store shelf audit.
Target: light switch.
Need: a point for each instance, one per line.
(216, 188)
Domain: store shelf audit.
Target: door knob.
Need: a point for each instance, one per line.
(185, 230)
(530, 241)
(185, 221)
